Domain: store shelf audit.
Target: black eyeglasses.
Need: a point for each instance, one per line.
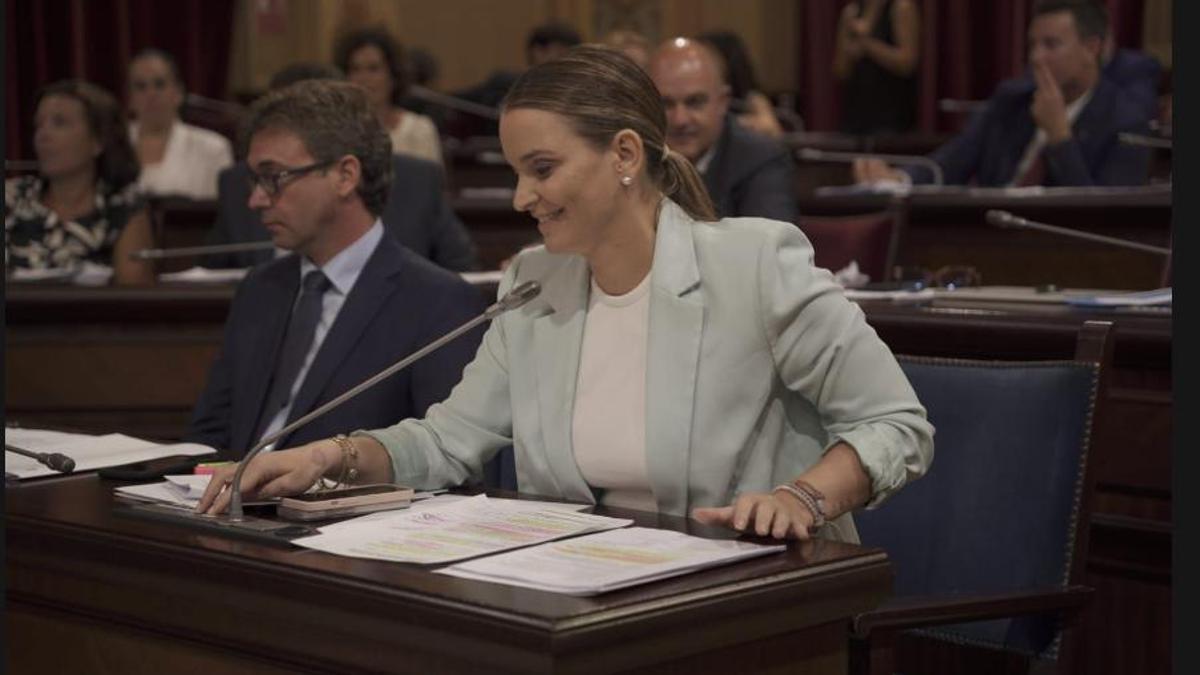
(274, 182)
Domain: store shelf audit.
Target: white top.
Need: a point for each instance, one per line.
(190, 163)
(608, 427)
(342, 270)
(416, 135)
(1039, 139)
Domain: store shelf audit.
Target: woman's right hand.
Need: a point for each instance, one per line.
(272, 474)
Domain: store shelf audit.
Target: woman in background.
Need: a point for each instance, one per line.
(371, 59)
(176, 158)
(83, 204)
(752, 107)
(878, 44)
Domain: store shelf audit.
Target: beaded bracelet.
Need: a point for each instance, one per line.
(808, 502)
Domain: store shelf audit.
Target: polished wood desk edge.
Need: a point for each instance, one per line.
(577, 615)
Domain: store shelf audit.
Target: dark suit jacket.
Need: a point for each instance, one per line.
(1136, 74)
(416, 214)
(990, 147)
(399, 304)
(751, 175)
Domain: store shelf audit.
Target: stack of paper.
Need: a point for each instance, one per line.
(458, 530)
(89, 452)
(182, 490)
(607, 561)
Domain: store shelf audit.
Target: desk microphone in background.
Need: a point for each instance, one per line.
(1007, 220)
(515, 298)
(453, 102)
(159, 253)
(1145, 141)
(54, 460)
(916, 160)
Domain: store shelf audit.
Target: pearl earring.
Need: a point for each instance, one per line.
(626, 180)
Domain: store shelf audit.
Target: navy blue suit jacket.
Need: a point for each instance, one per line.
(1136, 74)
(751, 175)
(399, 303)
(416, 214)
(989, 149)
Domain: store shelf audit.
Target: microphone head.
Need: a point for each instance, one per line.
(60, 463)
(1000, 218)
(519, 295)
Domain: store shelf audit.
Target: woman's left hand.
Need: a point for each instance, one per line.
(777, 515)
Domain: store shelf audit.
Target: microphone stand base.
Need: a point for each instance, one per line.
(261, 530)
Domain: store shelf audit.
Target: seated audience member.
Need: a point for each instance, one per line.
(746, 173)
(1060, 128)
(83, 204)
(371, 59)
(630, 43)
(346, 303)
(544, 43)
(878, 46)
(417, 213)
(176, 158)
(754, 110)
(673, 362)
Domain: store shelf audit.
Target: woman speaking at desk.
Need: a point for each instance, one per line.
(672, 362)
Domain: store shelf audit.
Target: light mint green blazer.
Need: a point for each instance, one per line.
(756, 364)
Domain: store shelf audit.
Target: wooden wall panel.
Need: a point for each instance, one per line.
(472, 38)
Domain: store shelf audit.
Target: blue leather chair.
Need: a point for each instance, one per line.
(988, 547)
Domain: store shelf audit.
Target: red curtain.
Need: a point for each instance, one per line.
(49, 40)
(967, 48)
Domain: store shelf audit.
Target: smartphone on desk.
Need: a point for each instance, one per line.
(351, 501)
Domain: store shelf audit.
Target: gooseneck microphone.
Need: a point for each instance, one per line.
(516, 297)
(453, 102)
(54, 460)
(917, 160)
(1007, 220)
(159, 253)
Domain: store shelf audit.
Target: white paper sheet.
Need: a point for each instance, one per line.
(606, 561)
(203, 275)
(453, 531)
(181, 490)
(89, 452)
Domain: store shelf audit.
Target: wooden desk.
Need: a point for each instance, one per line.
(90, 590)
(135, 360)
(948, 227)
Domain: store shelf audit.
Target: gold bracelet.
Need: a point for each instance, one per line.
(349, 472)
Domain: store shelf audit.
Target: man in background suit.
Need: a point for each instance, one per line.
(348, 302)
(1060, 128)
(746, 174)
(417, 213)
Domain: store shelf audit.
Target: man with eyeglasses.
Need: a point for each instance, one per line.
(417, 213)
(346, 303)
(747, 174)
